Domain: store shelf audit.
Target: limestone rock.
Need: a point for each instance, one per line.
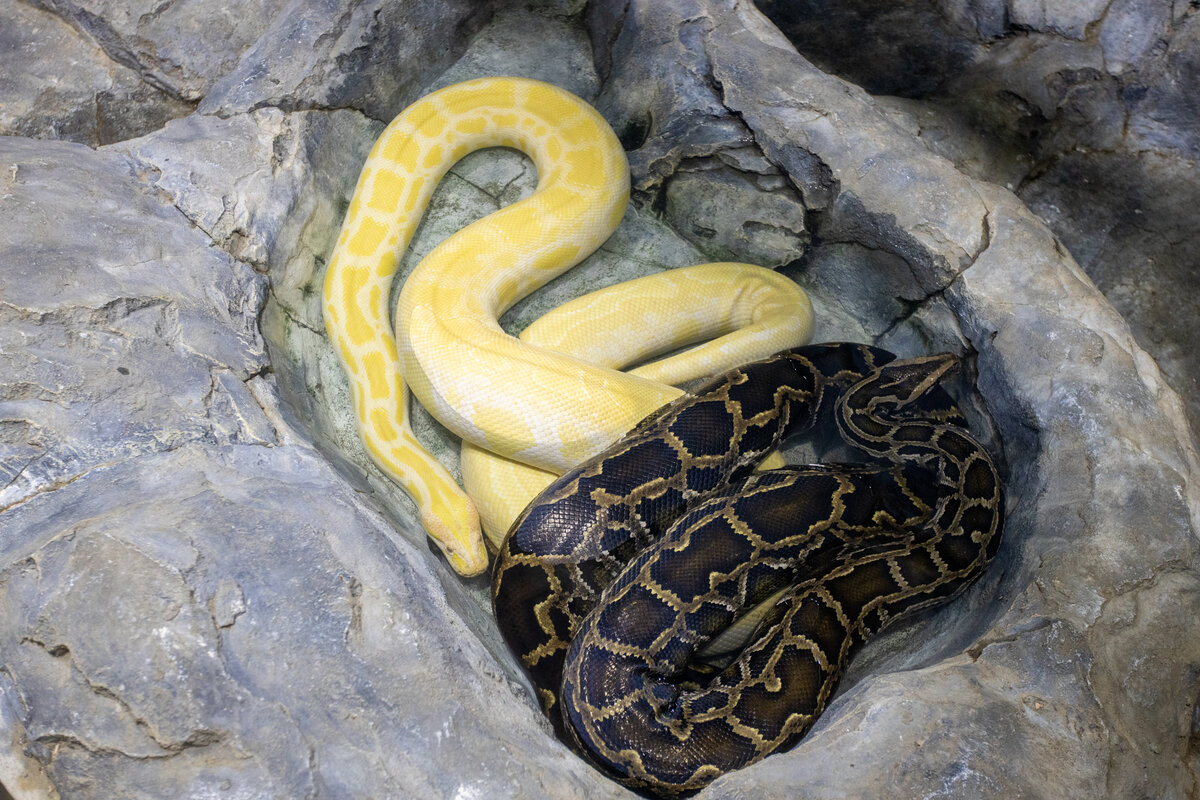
(57, 82)
(207, 590)
(1085, 109)
(329, 55)
(193, 623)
(182, 48)
(116, 319)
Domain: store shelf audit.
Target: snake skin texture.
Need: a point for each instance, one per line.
(526, 408)
(624, 568)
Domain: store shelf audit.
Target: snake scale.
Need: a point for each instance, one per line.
(612, 580)
(528, 408)
(609, 584)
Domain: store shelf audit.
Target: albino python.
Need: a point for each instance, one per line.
(614, 578)
(525, 413)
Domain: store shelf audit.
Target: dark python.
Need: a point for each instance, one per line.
(611, 581)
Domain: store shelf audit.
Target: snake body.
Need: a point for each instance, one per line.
(613, 579)
(600, 587)
(523, 408)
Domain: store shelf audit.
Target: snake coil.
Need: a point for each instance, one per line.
(526, 408)
(612, 580)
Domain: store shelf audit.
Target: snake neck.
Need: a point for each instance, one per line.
(822, 374)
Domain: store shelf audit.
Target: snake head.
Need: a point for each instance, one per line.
(454, 526)
(903, 382)
(902, 390)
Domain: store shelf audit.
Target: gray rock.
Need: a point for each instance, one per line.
(1076, 106)
(208, 590)
(57, 83)
(564, 57)
(1131, 28)
(1067, 19)
(324, 55)
(116, 318)
(181, 48)
(769, 231)
(1135, 247)
(162, 646)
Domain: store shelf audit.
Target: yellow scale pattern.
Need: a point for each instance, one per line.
(527, 409)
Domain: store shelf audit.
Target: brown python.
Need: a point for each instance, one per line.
(612, 580)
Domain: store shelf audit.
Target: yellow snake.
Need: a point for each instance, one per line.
(524, 411)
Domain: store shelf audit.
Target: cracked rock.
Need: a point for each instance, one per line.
(57, 82)
(181, 48)
(228, 603)
(768, 231)
(328, 56)
(206, 589)
(1085, 109)
(114, 310)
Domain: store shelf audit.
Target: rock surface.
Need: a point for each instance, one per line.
(1087, 110)
(208, 591)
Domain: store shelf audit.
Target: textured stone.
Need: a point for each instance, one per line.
(1068, 19)
(323, 56)
(207, 590)
(769, 231)
(322, 673)
(182, 48)
(1087, 110)
(56, 82)
(1130, 29)
(115, 317)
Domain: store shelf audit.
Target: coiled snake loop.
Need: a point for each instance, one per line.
(623, 568)
(528, 408)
